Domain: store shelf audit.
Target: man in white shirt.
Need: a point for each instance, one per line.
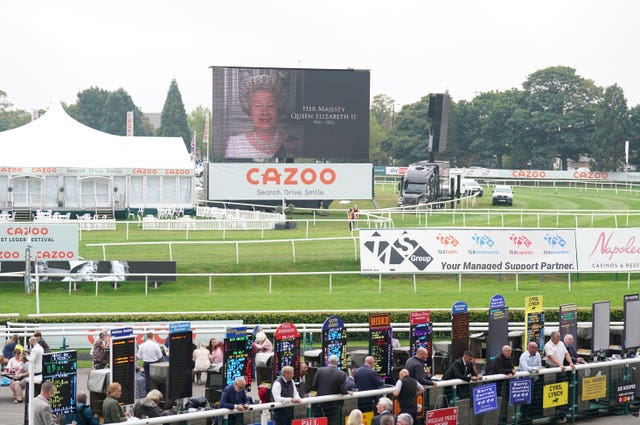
(557, 353)
(284, 391)
(35, 358)
(149, 352)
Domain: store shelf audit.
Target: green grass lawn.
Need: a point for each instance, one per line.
(353, 291)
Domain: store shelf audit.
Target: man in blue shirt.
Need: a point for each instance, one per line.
(530, 361)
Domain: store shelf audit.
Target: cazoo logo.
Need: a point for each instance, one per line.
(397, 252)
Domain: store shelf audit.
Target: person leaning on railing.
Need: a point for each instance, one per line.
(557, 354)
(530, 361)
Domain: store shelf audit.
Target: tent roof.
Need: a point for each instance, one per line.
(58, 140)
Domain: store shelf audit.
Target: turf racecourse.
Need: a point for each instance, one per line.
(340, 292)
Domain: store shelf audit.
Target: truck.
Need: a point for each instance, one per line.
(425, 182)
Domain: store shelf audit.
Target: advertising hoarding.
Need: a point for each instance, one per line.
(290, 113)
(608, 250)
(467, 251)
(260, 182)
(48, 241)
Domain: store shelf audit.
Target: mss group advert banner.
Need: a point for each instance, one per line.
(467, 251)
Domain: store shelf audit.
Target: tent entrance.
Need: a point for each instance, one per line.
(27, 191)
(95, 192)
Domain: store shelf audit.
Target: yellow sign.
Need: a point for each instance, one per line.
(555, 395)
(594, 387)
(533, 304)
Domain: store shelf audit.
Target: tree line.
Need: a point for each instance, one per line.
(106, 111)
(557, 115)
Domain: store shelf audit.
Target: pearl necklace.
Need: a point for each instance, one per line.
(267, 145)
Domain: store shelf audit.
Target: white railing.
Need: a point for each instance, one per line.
(265, 408)
(55, 333)
(96, 222)
(189, 223)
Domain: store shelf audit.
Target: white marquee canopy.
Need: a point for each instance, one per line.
(57, 162)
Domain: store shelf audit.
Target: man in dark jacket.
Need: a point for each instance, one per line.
(235, 397)
(83, 414)
(569, 342)
(330, 380)
(415, 366)
(384, 408)
(502, 365)
(367, 379)
(463, 369)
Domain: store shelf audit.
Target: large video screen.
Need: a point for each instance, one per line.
(290, 113)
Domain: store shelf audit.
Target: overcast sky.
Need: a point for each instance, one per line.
(54, 49)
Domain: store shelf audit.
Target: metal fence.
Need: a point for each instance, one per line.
(583, 398)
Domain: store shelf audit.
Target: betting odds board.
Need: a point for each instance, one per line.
(334, 341)
(287, 349)
(420, 333)
(534, 321)
(61, 369)
(237, 355)
(123, 366)
(180, 355)
(380, 334)
(459, 329)
(498, 335)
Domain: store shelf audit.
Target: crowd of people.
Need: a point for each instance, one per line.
(412, 382)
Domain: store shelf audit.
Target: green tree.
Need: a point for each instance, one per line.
(196, 120)
(377, 135)
(11, 118)
(634, 136)
(174, 118)
(106, 111)
(460, 137)
(496, 126)
(611, 130)
(562, 107)
(382, 110)
(408, 140)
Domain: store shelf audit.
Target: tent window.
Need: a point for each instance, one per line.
(185, 191)
(4, 193)
(94, 193)
(27, 192)
(154, 196)
(70, 191)
(170, 195)
(51, 191)
(136, 192)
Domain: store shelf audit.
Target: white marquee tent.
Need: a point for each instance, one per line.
(56, 162)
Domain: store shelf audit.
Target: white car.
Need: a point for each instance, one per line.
(471, 187)
(502, 194)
